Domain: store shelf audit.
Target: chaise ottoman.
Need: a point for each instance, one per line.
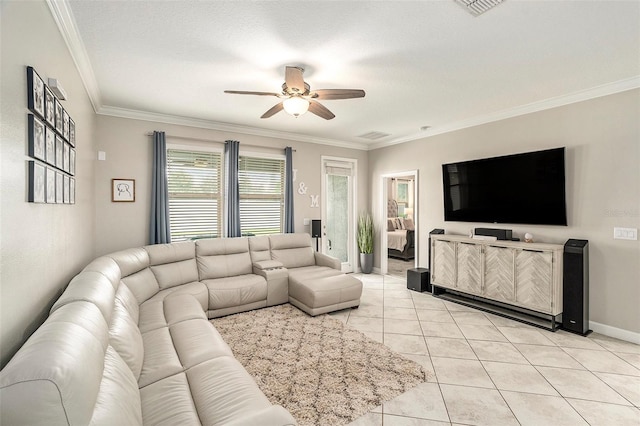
(318, 290)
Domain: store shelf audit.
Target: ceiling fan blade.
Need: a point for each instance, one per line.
(320, 110)
(293, 79)
(242, 92)
(274, 110)
(337, 94)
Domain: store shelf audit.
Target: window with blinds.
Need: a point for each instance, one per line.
(195, 196)
(261, 182)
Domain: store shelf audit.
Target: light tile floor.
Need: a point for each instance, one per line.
(489, 370)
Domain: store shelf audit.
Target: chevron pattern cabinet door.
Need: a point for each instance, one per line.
(534, 279)
(498, 273)
(469, 268)
(444, 263)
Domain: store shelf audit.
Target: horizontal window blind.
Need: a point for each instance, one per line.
(261, 184)
(194, 180)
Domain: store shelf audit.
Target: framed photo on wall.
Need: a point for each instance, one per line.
(59, 117)
(51, 185)
(35, 92)
(72, 161)
(65, 157)
(72, 191)
(49, 107)
(59, 152)
(59, 184)
(65, 189)
(36, 138)
(65, 124)
(72, 132)
(36, 182)
(50, 146)
(123, 190)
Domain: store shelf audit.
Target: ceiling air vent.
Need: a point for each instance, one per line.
(374, 136)
(478, 7)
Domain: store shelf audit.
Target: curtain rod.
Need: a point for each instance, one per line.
(188, 138)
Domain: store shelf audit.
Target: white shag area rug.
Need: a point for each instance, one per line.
(322, 371)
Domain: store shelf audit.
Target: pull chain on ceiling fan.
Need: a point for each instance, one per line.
(298, 97)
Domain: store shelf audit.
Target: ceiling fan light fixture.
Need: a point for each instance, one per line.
(296, 106)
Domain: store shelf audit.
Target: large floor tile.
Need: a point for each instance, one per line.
(398, 294)
(456, 307)
(581, 385)
(400, 313)
(482, 332)
(525, 335)
(424, 402)
(463, 372)
(399, 326)
(628, 387)
(497, 351)
(569, 340)
(370, 311)
(406, 344)
(366, 324)
(602, 361)
(425, 362)
(449, 348)
(536, 410)
(391, 420)
(480, 407)
(369, 419)
(374, 335)
(434, 315)
(597, 413)
(474, 318)
(441, 329)
(500, 321)
(428, 302)
(518, 378)
(633, 359)
(399, 303)
(548, 356)
(615, 345)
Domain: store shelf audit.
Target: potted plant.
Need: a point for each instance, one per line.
(365, 242)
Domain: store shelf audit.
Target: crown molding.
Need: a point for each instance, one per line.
(69, 30)
(224, 127)
(583, 95)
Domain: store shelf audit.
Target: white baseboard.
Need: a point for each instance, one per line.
(376, 270)
(615, 332)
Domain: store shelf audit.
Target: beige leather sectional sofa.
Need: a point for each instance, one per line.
(129, 342)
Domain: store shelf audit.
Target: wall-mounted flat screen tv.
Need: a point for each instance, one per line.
(524, 188)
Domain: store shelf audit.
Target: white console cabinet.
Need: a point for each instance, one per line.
(522, 275)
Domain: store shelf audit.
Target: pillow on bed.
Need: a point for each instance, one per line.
(408, 225)
(390, 226)
(398, 223)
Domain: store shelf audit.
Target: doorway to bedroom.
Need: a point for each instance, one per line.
(399, 241)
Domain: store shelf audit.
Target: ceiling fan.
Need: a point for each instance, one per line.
(298, 97)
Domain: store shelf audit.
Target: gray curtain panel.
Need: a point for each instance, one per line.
(159, 232)
(232, 205)
(288, 191)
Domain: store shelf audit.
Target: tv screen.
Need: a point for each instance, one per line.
(522, 188)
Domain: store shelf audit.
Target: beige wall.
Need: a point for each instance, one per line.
(128, 152)
(42, 246)
(602, 137)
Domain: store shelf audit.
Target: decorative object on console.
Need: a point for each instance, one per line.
(123, 190)
(528, 238)
(365, 242)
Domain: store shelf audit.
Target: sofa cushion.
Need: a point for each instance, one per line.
(126, 339)
(259, 248)
(90, 287)
(58, 370)
(107, 267)
(168, 402)
(293, 250)
(223, 257)
(128, 300)
(236, 291)
(152, 312)
(118, 401)
(173, 264)
(160, 358)
(143, 284)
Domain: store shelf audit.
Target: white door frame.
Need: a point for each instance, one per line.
(382, 226)
(352, 264)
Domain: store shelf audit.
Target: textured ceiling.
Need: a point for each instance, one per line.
(421, 63)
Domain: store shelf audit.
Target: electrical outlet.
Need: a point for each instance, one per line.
(625, 233)
(306, 221)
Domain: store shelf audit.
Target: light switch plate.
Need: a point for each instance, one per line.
(625, 233)
(306, 221)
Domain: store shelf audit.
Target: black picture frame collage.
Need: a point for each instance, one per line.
(51, 144)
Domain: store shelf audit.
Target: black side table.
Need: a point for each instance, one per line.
(418, 279)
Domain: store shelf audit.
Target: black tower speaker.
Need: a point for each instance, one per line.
(575, 287)
(315, 228)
